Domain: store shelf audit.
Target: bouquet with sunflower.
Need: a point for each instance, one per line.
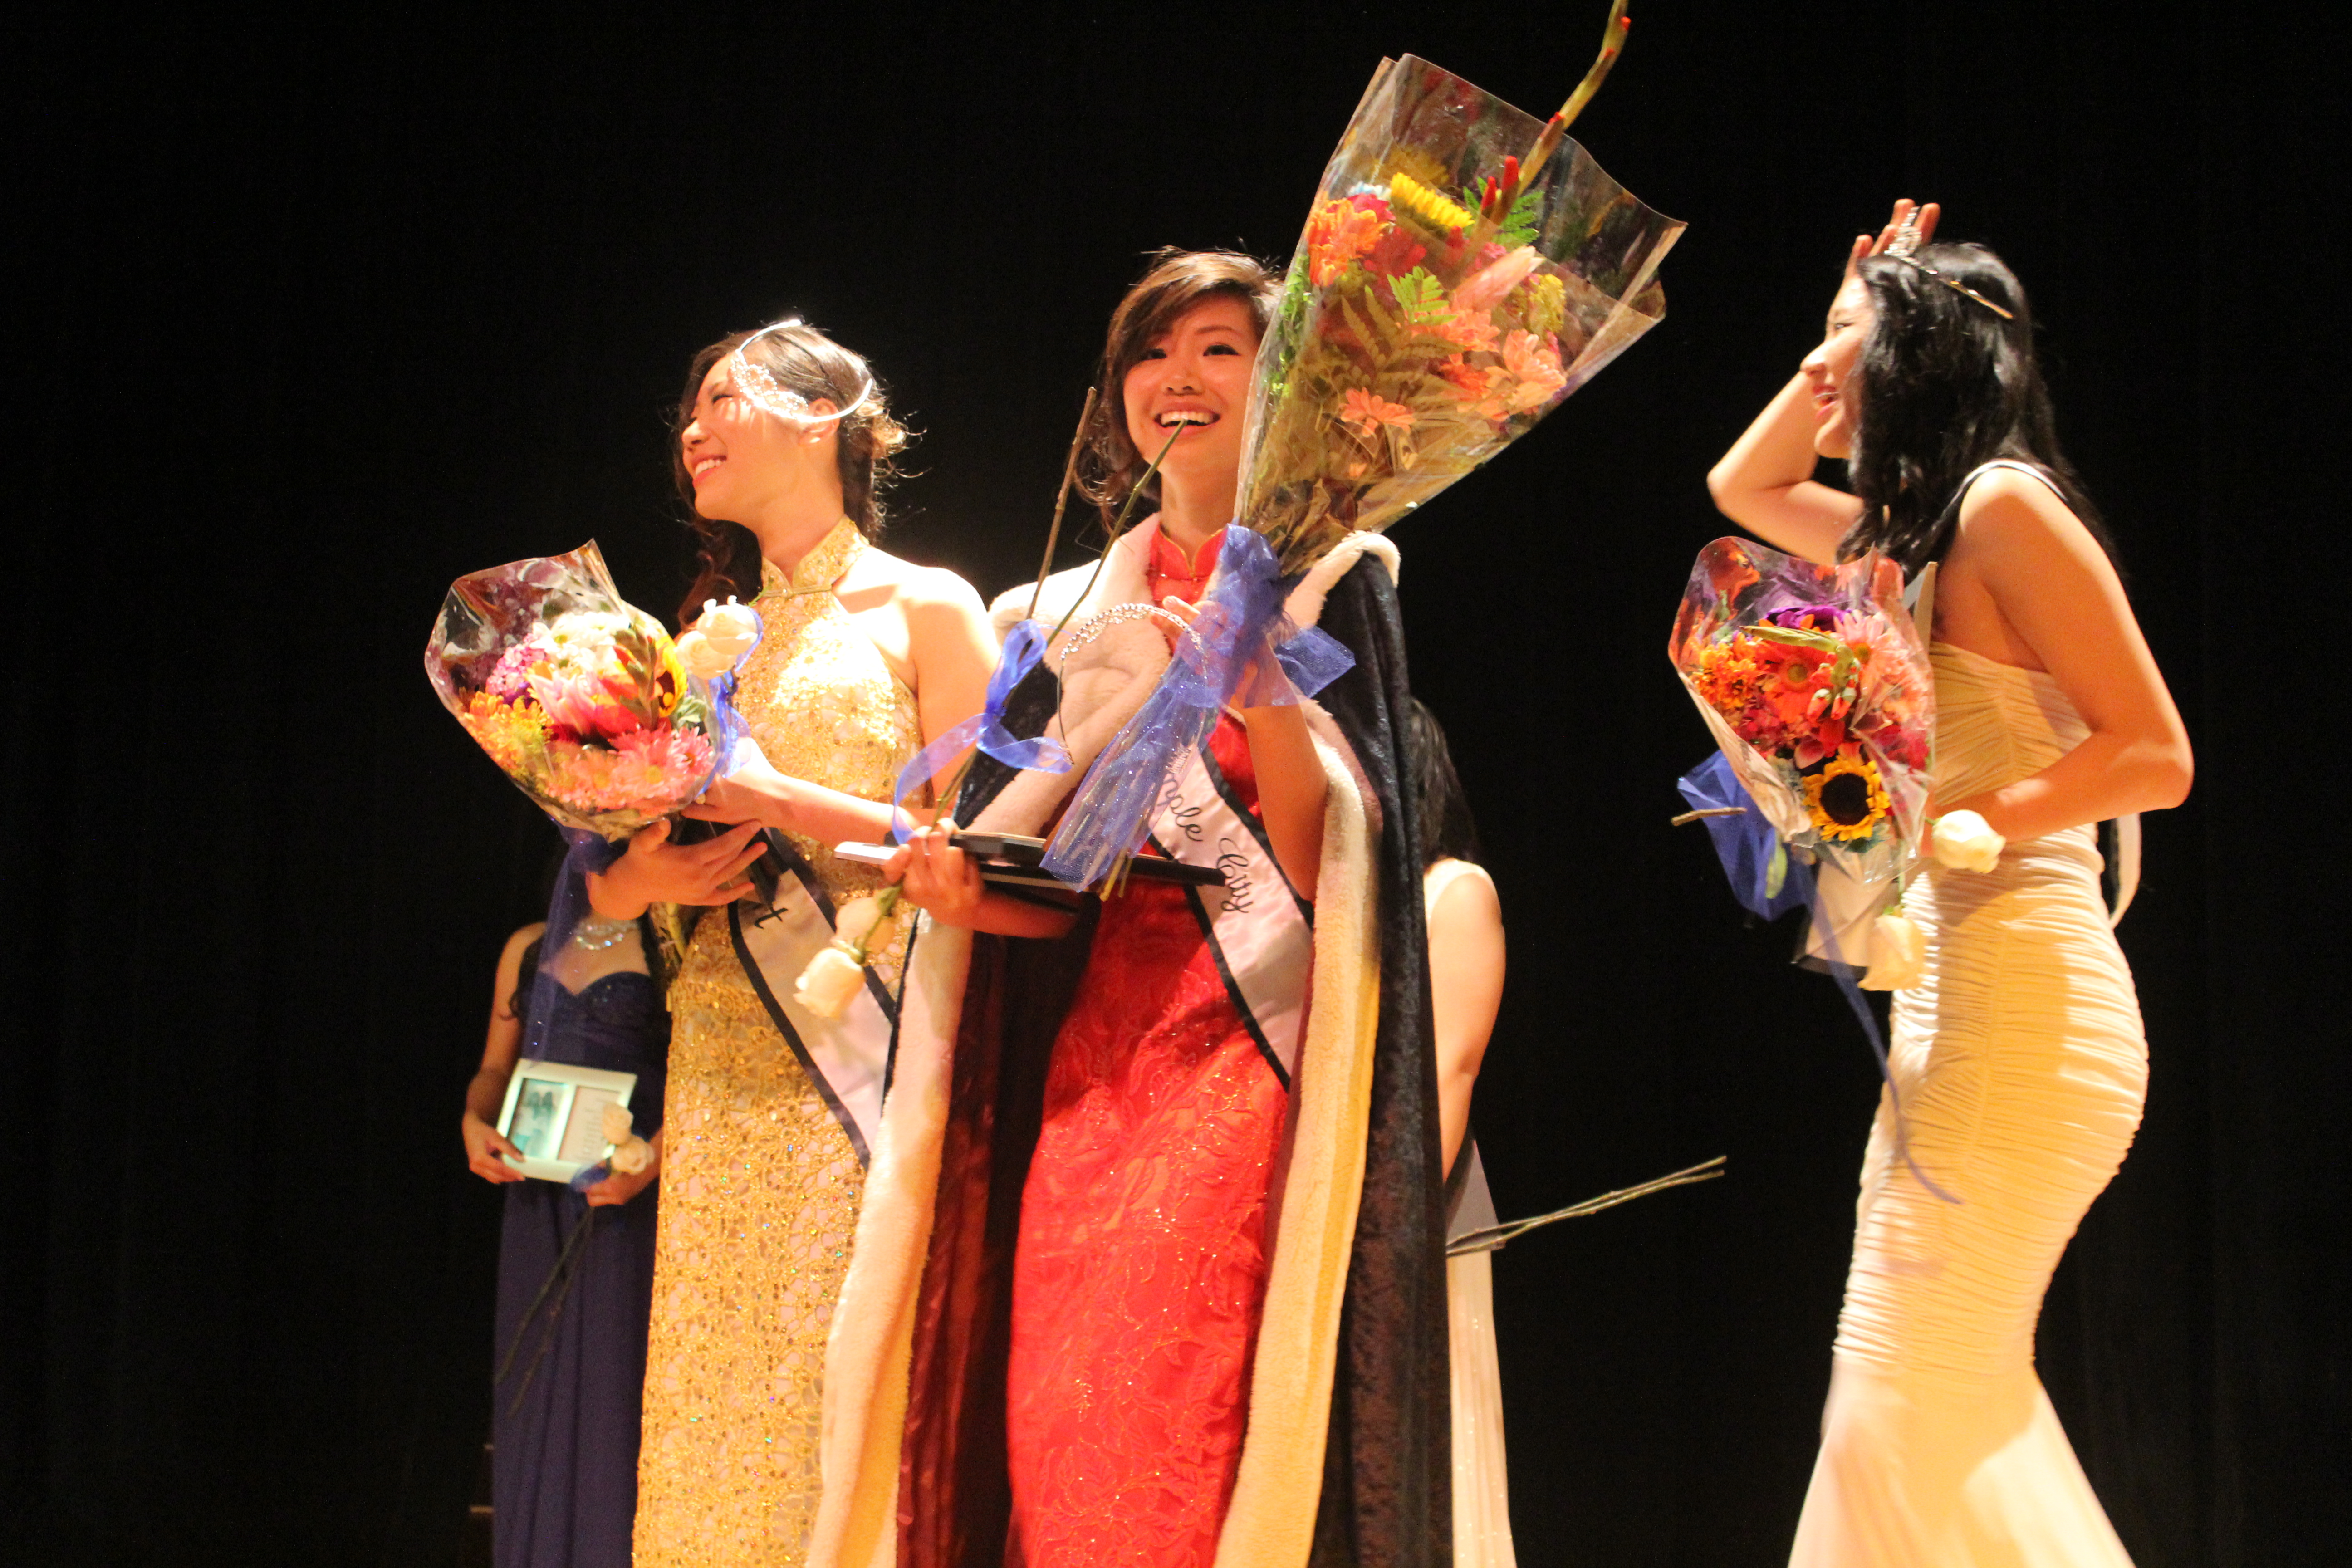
(1455, 283)
(580, 697)
(1818, 689)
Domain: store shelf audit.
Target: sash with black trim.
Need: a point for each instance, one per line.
(849, 1057)
(1261, 933)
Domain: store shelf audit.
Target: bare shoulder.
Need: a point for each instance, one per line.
(2006, 512)
(1468, 897)
(921, 590)
(511, 956)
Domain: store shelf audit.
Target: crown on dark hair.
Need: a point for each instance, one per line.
(1906, 240)
(756, 382)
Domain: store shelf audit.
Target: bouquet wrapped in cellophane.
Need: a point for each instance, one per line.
(1465, 267)
(578, 696)
(1816, 686)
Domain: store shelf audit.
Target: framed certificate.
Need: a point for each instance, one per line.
(554, 1113)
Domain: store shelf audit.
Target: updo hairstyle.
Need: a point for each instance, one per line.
(804, 361)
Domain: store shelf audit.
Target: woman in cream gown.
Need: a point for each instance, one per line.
(1465, 985)
(2018, 1056)
(763, 1155)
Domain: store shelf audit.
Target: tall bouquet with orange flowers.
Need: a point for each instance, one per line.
(1465, 268)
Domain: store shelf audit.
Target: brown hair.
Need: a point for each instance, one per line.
(802, 359)
(1175, 282)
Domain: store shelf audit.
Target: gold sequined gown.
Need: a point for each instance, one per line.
(760, 1184)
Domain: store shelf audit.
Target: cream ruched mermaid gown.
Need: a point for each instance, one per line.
(2022, 1067)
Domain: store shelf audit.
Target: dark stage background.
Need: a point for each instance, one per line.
(308, 320)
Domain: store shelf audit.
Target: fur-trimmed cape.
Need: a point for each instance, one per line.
(1347, 1389)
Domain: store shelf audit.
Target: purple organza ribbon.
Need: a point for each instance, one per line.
(1240, 644)
(1022, 651)
(1746, 846)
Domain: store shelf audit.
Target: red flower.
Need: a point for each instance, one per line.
(1395, 254)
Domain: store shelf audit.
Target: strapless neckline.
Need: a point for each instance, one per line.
(1986, 660)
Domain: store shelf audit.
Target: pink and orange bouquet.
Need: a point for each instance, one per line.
(1464, 269)
(1817, 688)
(580, 697)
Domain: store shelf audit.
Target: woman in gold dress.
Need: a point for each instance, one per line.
(782, 439)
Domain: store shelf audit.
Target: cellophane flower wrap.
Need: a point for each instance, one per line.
(1818, 689)
(1438, 306)
(1417, 336)
(578, 696)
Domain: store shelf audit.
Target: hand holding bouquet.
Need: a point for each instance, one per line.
(1818, 689)
(580, 697)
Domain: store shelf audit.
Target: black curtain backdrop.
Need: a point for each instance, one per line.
(307, 318)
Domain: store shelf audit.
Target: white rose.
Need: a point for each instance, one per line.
(1898, 953)
(1966, 842)
(631, 1155)
(825, 986)
(855, 919)
(733, 630)
(701, 656)
(618, 1122)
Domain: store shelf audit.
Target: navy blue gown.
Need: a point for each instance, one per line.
(564, 1469)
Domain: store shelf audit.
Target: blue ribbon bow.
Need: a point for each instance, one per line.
(1022, 649)
(1239, 643)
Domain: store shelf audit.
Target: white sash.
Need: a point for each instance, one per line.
(847, 1057)
(1260, 932)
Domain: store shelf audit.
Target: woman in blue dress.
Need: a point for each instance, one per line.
(575, 1268)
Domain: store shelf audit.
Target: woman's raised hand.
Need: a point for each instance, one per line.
(655, 871)
(934, 874)
(1905, 210)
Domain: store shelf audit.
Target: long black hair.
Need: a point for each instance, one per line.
(1448, 831)
(1944, 386)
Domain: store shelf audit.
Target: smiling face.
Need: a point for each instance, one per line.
(740, 459)
(1829, 370)
(1194, 378)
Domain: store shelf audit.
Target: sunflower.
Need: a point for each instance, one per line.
(1420, 164)
(1845, 798)
(1429, 207)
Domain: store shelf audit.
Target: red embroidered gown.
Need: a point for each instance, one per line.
(1141, 1265)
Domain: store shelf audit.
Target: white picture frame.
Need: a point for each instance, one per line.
(554, 1112)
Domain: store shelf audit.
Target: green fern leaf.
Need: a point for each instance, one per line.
(1524, 222)
(1420, 297)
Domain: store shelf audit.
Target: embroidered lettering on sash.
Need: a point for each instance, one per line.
(1259, 930)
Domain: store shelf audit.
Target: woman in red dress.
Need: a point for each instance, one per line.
(1142, 1257)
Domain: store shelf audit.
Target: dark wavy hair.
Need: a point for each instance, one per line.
(1945, 384)
(727, 554)
(1448, 831)
(1175, 281)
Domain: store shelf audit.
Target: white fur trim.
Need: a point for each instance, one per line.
(1270, 1522)
(1305, 605)
(1121, 581)
(868, 1353)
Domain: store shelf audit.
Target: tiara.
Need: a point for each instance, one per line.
(759, 384)
(1906, 240)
